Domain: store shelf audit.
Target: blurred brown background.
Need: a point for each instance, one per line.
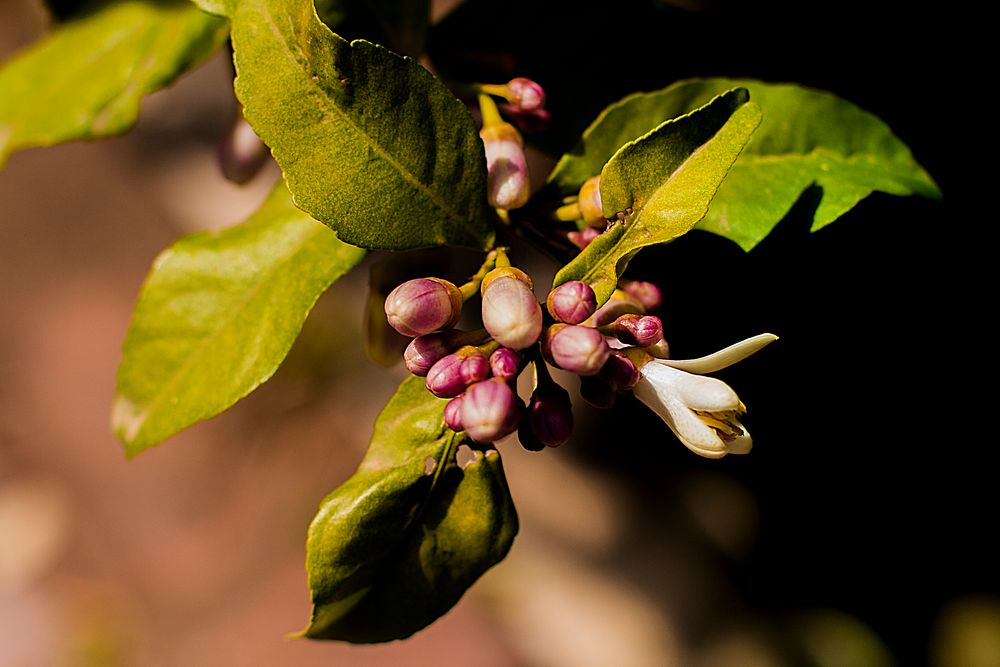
(855, 534)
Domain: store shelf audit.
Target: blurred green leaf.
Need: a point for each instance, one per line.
(667, 178)
(806, 137)
(217, 315)
(217, 7)
(397, 544)
(87, 77)
(371, 143)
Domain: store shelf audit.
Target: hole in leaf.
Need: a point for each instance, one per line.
(466, 455)
(429, 465)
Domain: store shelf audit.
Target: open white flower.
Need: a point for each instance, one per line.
(701, 411)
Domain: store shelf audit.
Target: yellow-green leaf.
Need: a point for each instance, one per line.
(370, 143)
(87, 77)
(217, 315)
(397, 544)
(662, 183)
(807, 137)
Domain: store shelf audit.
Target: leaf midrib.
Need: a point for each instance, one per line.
(630, 226)
(323, 102)
(818, 153)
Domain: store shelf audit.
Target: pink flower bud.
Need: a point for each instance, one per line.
(453, 373)
(582, 238)
(639, 330)
(619, 304)
(550, 414)
(453, 414)
(597, 392)
(490, 410)
(572, 302)
(591, 207)
(423, 305)
(576, 348)
(526, 94)
(529, 122)
(505, 363)
(647, 294)
(425, 351)
(619, 372)
(510, 312)
(241, 153)
(506, 167)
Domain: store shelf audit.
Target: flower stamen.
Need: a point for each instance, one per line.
(720, 423)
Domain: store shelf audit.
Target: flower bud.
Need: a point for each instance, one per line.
(639, 330)
(490, 410)
(619, 372)
(572, 302)
(423, 305)
(241, 153)
(550, 414)
(453, 414)
(597, 392)
(453, 373)
(510, 312)
(426, 350)
(590, 204)
(647, 294)
(506, 167)
(529, 122)
(576, 348)
(582, 238)
(526, 94)
(619, 304)
(505, 363)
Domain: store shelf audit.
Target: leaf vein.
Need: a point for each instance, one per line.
(325, 106)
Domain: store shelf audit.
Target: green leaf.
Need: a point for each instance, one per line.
(619, 123)
(806, 137)
(86, 78)
(371, 144)
(667, 178)
(217, 315)
(217, 7)
(397, 545)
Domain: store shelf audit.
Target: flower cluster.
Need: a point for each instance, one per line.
(616, 348)
(475, 369)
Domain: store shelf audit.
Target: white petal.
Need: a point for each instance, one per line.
(725, 357)
(696, 391)
(690, 430)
